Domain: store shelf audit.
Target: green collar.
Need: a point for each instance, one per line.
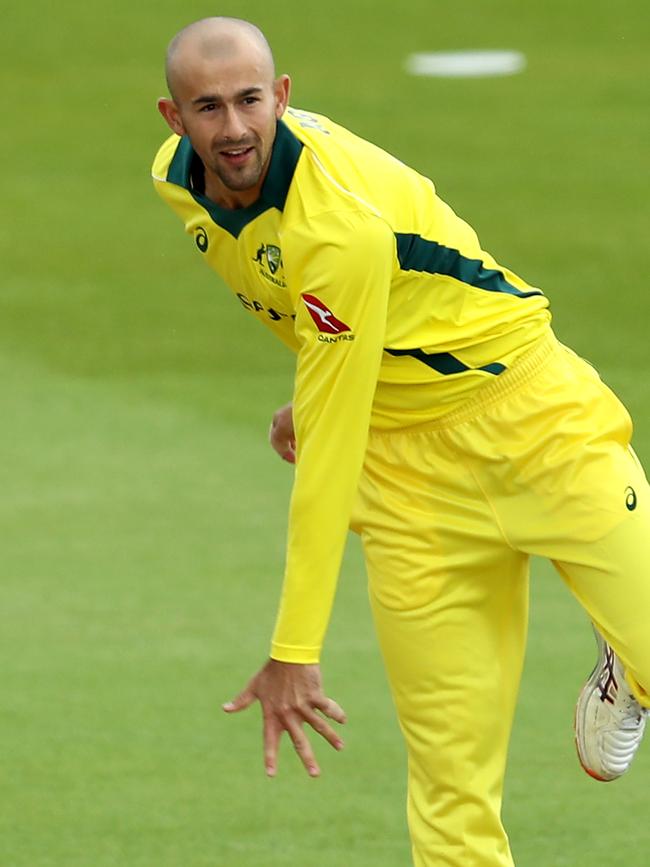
(284, 159)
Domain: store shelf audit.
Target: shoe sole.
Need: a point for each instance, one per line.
(587, 689)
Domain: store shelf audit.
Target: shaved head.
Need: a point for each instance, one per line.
(226, 99)
(217, 38)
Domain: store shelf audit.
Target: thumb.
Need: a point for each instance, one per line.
(244, 699)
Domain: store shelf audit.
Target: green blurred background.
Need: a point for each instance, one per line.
(142, 511)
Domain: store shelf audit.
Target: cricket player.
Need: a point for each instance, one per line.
(434, 412)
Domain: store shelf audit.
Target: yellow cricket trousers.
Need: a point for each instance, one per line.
(538, 463)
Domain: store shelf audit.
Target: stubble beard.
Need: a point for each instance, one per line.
(239, 179)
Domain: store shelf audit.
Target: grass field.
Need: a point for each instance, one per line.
(142, 512)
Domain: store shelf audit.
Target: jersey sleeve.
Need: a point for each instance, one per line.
(339, 268)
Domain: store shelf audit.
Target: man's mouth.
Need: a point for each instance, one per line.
(236, 156)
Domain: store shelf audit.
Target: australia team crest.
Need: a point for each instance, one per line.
(273, 257)
(269, 260)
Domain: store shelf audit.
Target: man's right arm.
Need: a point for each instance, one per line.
(339, 276)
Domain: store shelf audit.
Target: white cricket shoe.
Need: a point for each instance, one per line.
(609, 721)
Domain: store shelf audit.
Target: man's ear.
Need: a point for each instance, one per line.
(282, 88)
(168, 109)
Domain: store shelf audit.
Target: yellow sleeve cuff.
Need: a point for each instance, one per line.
(301, 655)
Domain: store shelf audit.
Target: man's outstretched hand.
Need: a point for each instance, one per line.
(291, 695)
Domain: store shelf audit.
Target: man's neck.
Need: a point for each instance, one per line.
(231, 199)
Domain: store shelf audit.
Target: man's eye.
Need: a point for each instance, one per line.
(209, 107)
(251, 100)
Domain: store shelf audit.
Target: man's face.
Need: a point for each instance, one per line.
(229, 108)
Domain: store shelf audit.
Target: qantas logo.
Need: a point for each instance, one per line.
(325, 320)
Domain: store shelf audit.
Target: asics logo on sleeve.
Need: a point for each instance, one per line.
(323, 317)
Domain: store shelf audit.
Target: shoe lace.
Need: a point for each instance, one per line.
(615, 691)
(607, 682)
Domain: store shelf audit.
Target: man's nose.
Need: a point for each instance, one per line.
(234, 128)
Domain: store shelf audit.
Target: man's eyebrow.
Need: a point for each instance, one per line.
(212, 97)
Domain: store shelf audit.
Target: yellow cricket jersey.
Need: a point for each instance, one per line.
(395, 312)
